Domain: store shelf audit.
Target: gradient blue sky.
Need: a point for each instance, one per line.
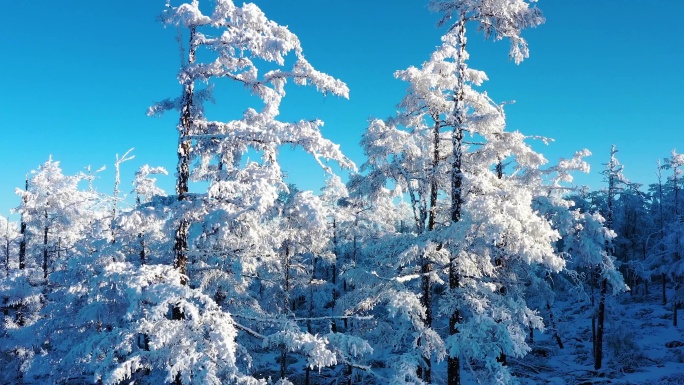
(78, 77)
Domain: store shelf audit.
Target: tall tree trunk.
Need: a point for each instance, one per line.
(425, 372)
(553, 326)
(333, 323)
(453, 362)
(22, 232)
(675, 172)
(45, 247)
(286, 277)
(499, 263)
(309, 329)
(7, 251)
(283, 362)
(659, 174)
(180, 244)
(143, 253)
(286, 306)
(426, 300)
(613, 180)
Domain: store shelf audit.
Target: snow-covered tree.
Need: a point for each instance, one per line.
(9, 241)
(491, 246)
(228, 241)
(240, 37)
(56, 214)
(498, 20)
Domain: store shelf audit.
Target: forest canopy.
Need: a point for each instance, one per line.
(454, 253)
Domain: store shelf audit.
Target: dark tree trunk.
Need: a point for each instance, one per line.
(143, 256)
(453, 362)
(22, 258)
(177, 380)
(180, 244)
(553, 325)
(283, 362)
(425, 372)
(593, 337)
(286, 277)
(592, 280)
(613, 180)
(531, 334)
(333, 323)
(22, 231)
(664, 279)
(45, 248)
(674, 313)
(7, 252)
(599, 330)
(309, 329)
(22, 246)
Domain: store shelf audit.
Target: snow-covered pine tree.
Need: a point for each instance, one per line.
(498, 19)
(614, 177)
(658, 243)
(53, 208)
(9, 250)
(408, 154)
(148, 219)
(55, 215)
(9, 241)
(587, 242)
(494, 246)
(227, 240)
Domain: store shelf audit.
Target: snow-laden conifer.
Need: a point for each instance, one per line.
(250, 242)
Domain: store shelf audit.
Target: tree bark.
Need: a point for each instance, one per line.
(7, 251)
(333, 322)
(45, 248)
(283, 362)
(180, 244)
(22, 231)
(531, 334)
(674, 313)
(425, 372)
(453, 361)
(553, 325)
(599, 330)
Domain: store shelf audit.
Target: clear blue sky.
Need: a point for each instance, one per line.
(78, 77)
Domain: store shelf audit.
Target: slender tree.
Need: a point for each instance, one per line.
(614, 177)
(498, 19)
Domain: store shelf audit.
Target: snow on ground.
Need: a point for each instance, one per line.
(641, 345)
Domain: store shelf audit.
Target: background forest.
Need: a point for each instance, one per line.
(455, 253)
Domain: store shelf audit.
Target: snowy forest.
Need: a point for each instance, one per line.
(454, 254)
